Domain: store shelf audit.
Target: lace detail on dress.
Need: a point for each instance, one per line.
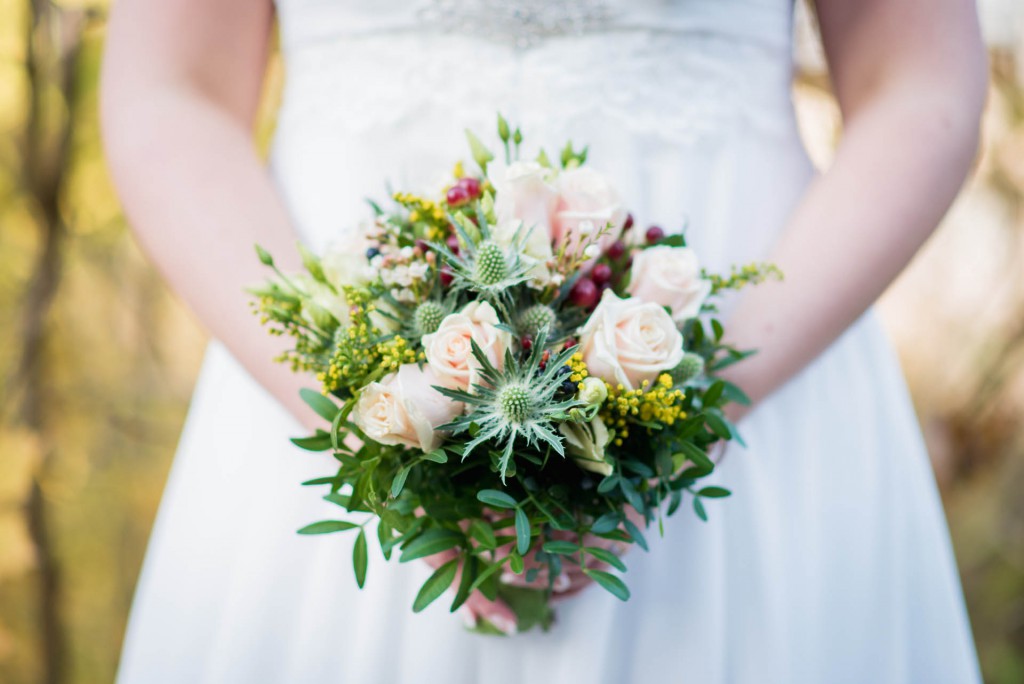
(521, 24)
(663, 85)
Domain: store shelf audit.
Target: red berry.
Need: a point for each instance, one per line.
(584, 293)
(471, 186)
(526, 342)
(629, 222)
(571, 342)
(617, 249)
(457, 195)
(654, 234)
(446, 276)
(423, 245)
(453, 244)
(544, 358)
(601, 274)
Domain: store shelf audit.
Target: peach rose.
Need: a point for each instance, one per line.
(448, 350)
(627, 341)
(670, 276)
(404, 409)
(587, 203)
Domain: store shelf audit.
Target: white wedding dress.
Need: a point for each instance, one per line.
(830, 564)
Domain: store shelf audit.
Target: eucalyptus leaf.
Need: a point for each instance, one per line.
(522, 531)
(605, 556)
(562, 547)
(609, 582)
(328, 526)
(359, 558)
(495, 498)
(715, 492)
(430, 542)
(398, 483)
(436, 585)
(324, 407)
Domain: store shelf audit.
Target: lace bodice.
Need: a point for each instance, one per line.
(679, 67)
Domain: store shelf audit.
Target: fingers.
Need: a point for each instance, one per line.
(478, 607)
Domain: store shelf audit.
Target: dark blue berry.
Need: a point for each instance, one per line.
(564, 370)
(372, 252)
(568, 386)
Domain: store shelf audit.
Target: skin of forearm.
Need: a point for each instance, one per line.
(199, 197)
(898, 167)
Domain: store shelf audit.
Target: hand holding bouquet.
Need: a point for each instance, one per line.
(510, 372)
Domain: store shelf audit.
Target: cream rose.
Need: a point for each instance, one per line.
(404, 409)
(587, 203)
(449, 352)
(627, 341)
(670, 276)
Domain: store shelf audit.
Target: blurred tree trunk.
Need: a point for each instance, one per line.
(53, 42)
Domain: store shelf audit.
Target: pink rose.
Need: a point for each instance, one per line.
(587, 203)
(449, 352)
(669, 276)
(404, 409)
(627, 341)
(522, 192)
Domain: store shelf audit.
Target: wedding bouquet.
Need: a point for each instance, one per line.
(514, 375)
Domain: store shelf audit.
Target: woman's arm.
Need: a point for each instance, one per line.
(181, 85)
(910, 77)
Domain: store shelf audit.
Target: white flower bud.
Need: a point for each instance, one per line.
(593, 392)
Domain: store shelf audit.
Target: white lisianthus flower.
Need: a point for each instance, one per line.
(587, 443)
(670, 276)
(344, 265)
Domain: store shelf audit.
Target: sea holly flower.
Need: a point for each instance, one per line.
(515, 403)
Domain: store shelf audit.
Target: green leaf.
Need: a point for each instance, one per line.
(606, 556)
(735, 394)
(716, 325)
(695, 454)
(436, 456)
(515, 562)
(328, 526)
(483, 533)
(718, 425)
(314, 443)
(563, 547)
(359, 557)
(606, 523)
(431, 542)
(635, 533)
(436, 585)
(399, 482)
(712, 395)
(714, 492)
(632, 496)
(323, 406)
(608, 484)
(469, 571)
(610, 582)
(484, 576)
(495, 498)
(698, 508)
(522, 532)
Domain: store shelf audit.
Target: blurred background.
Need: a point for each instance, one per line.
(97, 358)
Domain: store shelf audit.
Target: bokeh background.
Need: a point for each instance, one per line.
(97, 358)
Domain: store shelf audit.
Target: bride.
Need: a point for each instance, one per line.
(831, 563)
